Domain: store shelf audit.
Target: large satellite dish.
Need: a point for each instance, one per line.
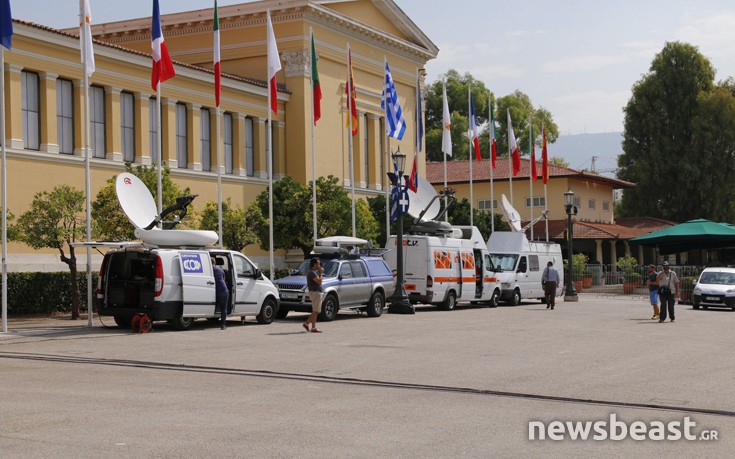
(135, 199)
(138, 204)
(511, 214)
(421, 198)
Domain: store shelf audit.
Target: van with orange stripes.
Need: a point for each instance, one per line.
(446, 269)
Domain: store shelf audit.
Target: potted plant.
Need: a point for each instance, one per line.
(579, 261)
(631, 278)
(587, 277)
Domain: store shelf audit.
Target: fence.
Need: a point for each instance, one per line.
(598, 278)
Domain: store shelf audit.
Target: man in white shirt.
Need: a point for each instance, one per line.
(668, 290)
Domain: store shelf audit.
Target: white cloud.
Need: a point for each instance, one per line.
(714, 35)
(583, 63)
(590, 111)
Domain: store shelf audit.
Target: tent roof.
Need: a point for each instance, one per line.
(691, 235)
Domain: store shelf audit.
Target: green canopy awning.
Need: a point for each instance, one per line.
(691, 235)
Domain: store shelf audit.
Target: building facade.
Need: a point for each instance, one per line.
(44, 102)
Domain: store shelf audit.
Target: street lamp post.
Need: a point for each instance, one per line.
(570, 294)
(399, 303)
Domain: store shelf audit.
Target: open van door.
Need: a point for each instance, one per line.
(197, 281)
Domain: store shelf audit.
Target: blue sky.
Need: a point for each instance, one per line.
(577, 58)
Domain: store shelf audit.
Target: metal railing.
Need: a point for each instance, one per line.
(599, 278)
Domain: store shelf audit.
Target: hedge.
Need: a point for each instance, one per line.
(44, 293)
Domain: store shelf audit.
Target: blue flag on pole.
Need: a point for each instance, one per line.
(6, 24)
(396, 125)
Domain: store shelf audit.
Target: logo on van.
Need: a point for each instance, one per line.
(192, 263)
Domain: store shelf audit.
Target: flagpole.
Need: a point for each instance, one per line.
(313, 145)
(87, 179)
(510, 163)
(220, 162)
(387, 160)
(469, 112)
(269, 137)
(531, 167)
(543, 174)
(349, 135)
(491, 131)
(5, 194)
(159, 149)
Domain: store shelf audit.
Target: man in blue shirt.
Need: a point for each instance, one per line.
(222, 293)
(550, 280)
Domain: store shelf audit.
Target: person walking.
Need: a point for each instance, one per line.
(652, 284)
(550, 280)
(222, 293)
(314, 284)
(668, 290)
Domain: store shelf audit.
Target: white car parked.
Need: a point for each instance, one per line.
(715, 288)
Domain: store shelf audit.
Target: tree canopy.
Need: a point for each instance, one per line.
(292, 214)
(679, 140)
(236, 234)
(519, 104)
(110, 223)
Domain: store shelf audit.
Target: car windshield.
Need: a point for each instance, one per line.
(504, 261)
(717, 278)
(330, 268)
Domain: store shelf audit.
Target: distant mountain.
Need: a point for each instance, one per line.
(579, 149)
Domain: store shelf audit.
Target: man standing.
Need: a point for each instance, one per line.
(222, 293)
(668, 290)
(314, 284)
(550, 280)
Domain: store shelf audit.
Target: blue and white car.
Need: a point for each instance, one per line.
(351, 281)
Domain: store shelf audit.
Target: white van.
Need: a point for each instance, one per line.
(521, 264)
(177, 285)
(443, 270)
(169, 275)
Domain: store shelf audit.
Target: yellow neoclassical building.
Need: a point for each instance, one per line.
(44, 102)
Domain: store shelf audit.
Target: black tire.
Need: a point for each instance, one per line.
(495, 299)
(376, 304)
(181, 323)
(696, 306)
(449, 302)
(515, 299)
(282, 312)
(123, 322)
(267, 311)
(330, 307)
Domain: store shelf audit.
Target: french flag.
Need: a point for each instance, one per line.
(163, 68)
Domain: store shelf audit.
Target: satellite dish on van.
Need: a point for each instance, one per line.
(514, 218)
(417, 201)
(138, 204)
(136, 200)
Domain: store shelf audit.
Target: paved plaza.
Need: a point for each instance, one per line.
(463, 383)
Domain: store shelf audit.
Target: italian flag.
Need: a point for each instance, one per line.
(315, 85)
(217, 67)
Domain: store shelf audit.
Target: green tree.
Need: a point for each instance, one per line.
(459, 215)
(556, 161)
(55, 220)
(458, 102)
(678, 140)
(292, 214)
(236, 234)
(109, 221)
(520, 106)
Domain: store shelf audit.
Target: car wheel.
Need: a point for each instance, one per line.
(181, 323)
(282, 312)
(494, 300)
(330, 306)
(123, 322)
(449, 302)
(515, 299)
(376, 304)
(267, 311)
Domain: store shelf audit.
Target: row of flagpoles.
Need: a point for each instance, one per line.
(514, 158)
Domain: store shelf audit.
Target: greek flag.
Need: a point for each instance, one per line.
(396, 125)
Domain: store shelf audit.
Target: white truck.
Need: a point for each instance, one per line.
(446, 269)
(521, 264)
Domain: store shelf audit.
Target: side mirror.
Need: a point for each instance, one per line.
(339, 277)
(293, 272)
(257, 274)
